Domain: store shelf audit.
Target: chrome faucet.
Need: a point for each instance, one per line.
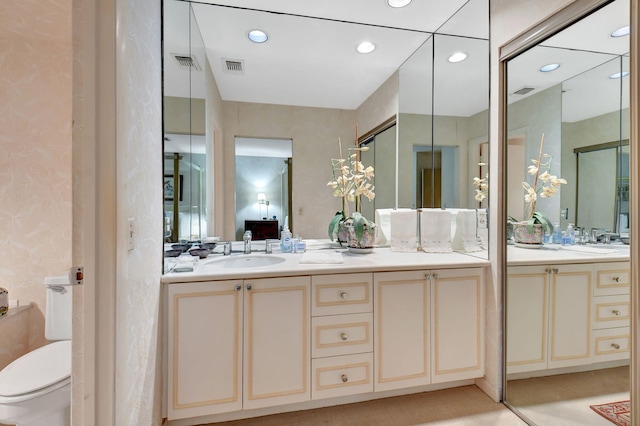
(226, 249)
(247, 242)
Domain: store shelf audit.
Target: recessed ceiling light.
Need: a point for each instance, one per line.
(619, 74)
(621, 32)
(398, 3)
(366, 47)
(457, 57)
(258, 36)
(549, 67)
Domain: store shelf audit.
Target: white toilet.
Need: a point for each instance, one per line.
(35, 389)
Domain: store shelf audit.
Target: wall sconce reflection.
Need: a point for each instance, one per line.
(262, 199)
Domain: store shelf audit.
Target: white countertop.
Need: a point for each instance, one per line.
(379, 260)
(554, 253)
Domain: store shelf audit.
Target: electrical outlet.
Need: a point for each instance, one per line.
(131, 234)
(565, 213)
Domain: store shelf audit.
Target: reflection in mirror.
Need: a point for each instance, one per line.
(382, 156)
(263, 91)
(567, 305)
(443, 122)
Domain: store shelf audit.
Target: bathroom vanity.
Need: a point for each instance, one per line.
(243, 342)
(567, 309)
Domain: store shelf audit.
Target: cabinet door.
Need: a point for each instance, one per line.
(204, 348)
(570, 315)
(277, 342)
(401, 330)
(527, 299)
(457, 324)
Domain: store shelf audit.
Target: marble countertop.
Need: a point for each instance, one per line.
(338, 260)
(554, 253)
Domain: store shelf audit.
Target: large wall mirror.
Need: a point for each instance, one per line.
(566, 333)
(424, 115)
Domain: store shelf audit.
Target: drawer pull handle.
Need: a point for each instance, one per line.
(615, 346)
(344, 336)
(615, 312)
(344, 295)
(616, 279)
(344, 378)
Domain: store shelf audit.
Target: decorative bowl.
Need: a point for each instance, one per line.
(172, 253)
(200, 252)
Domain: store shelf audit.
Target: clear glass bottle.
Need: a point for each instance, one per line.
(556, 238)
(571, 234)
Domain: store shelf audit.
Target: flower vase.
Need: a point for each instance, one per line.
(525, 238)
(347, 236)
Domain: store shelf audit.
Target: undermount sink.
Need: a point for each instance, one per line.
(244, 261)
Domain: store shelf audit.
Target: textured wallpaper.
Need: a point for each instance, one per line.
(35, 142)
(139, 166)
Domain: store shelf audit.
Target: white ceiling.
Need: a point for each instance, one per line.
(310, 61)
(313, 62)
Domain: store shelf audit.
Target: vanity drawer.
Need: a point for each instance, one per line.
(611, 311)
(341, 294)
(341, 335)
(611, 344)
(341, 375)
(612, 279)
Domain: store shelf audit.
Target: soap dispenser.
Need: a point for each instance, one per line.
(285, 241)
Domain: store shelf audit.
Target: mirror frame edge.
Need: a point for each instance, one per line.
(634, 206)
(520, 43)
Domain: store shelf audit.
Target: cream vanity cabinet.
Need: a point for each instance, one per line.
(428, 327)
(342, 335)
(611, 338)
(556, 314)
(237, 344)
(549, 311)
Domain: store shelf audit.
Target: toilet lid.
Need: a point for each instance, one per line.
(38, 369)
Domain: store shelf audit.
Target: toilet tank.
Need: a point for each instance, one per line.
(57, 325)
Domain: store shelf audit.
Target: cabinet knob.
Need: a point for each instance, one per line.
(344, 336)
(436, 276)
(238, 287)
(615, 312)
(615, 346)
(344, 295)
(344, 378)
(616, 279)
(249, 287)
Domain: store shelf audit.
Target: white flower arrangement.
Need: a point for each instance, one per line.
(545, 185)
(351, 180)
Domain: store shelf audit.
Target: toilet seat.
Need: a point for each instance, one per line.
(39, 372)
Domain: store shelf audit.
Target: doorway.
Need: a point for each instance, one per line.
(262, 182)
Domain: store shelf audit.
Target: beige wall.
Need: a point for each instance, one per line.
(35, 141)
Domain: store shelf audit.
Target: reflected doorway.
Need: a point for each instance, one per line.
(263, 182)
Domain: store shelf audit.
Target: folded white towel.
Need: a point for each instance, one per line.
(465, 238)
(403, 229)
(383, 223)
(483, 228)
(322, 257)
(435, 231)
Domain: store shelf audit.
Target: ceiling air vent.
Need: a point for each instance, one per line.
(233, 66)
(524, 90)
(186, 62)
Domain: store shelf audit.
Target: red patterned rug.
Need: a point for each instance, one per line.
(616, 412)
